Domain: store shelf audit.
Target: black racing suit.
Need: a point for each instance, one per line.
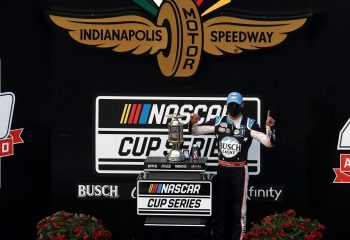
(230, 189)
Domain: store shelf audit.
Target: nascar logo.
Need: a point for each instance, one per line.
(145, 113)
(133, 117)
(174, 188)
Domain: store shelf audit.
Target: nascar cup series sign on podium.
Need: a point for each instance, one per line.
(178, 34)
(174, 198)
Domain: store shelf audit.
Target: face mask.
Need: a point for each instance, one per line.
(234, 109)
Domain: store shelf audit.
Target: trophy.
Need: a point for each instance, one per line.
(175, 137)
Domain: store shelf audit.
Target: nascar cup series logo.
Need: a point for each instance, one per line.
(174, 188)
(128, 129)
(182, 198)
(229, 147)
(178, 35)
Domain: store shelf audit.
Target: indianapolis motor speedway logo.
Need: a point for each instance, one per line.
(178, 34)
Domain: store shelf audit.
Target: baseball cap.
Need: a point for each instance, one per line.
(235, 97)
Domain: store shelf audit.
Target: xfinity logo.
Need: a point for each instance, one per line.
(265, 193)
(106, 191)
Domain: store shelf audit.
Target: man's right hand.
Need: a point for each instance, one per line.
(195, 118)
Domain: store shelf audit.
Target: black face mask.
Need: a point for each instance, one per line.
(234, 109)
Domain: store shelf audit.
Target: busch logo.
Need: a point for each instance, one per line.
(229, 147)
(107, 191)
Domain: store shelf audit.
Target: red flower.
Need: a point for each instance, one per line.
(320, 226)
(291, 212)
(85, 236)
(267, 219)
(56, 225)
(60, 237)
(78, 230)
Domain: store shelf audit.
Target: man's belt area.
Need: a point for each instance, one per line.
(232, 164)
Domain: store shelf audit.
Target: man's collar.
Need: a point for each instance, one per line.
(236, 121)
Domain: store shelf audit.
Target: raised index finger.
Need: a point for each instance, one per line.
(268, 114)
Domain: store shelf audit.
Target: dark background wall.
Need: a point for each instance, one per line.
(304, 83)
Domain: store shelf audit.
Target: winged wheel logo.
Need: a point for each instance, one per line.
(179, 35)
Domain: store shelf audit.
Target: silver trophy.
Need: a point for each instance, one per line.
(175, 130)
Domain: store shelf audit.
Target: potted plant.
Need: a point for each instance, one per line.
(285, 225)
(63, 225)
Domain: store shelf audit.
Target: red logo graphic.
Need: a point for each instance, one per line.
(343, 173)
(6, 145)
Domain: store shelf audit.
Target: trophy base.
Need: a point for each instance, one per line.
(175, 156)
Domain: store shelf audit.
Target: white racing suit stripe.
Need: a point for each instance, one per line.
(202, 130)
(244, 203)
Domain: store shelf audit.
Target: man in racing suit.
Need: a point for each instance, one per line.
(234, 134)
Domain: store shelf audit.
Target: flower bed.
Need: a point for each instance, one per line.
(63, 225)
(285, 226)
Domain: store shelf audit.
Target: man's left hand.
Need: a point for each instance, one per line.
(270, 121)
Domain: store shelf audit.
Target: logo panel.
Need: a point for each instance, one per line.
(344, 137)
(7, 102)
(342, 174)
(8, 137)
(129, 129)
